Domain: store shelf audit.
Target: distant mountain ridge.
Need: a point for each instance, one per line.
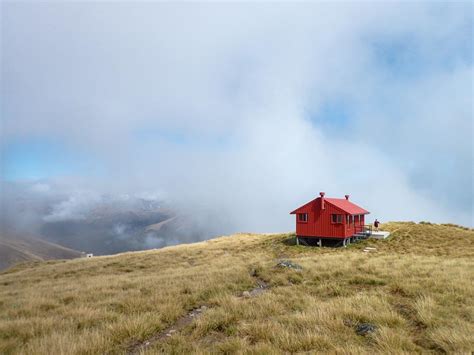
(15, 249)
(99, 223)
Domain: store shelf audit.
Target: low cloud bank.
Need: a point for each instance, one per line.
(98, 222)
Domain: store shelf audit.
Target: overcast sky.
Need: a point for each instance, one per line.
(245, 110)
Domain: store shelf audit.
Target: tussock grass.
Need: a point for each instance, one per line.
(416, 288)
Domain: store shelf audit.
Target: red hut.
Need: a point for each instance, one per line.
(336, 219)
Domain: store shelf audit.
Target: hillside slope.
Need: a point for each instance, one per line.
(15, 250)
(414, 290)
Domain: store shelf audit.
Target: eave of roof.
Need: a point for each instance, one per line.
(306, 204)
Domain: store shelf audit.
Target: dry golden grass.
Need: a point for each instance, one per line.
(416, 288)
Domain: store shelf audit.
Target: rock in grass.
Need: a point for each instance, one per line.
(289, 264)
(365, 328)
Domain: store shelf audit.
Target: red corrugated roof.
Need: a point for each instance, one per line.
(346, 205)
(341, 203)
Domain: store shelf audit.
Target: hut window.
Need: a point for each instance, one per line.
(336, 218)
(302, 217)
(356, 219)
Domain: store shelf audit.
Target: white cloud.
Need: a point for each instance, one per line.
(76, 207)
(250, 76)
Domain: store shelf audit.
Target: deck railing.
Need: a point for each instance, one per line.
(365, 229)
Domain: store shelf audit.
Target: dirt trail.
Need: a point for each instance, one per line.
(261, 287)
(138, 347)
(182, 322)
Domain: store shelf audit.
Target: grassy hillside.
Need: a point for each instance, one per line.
(416, 290)
(15, 250)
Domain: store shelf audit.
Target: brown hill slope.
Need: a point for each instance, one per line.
(413, 293)
(15, 250)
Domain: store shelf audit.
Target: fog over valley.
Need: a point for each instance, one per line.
(97, 223)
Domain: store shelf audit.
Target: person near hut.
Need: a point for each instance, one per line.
(376, 225)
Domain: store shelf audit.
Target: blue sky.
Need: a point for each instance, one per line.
(35, 158)
(203, 100)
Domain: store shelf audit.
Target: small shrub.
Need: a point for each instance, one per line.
(295, 278)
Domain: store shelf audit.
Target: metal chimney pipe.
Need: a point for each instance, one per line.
(322, 199)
